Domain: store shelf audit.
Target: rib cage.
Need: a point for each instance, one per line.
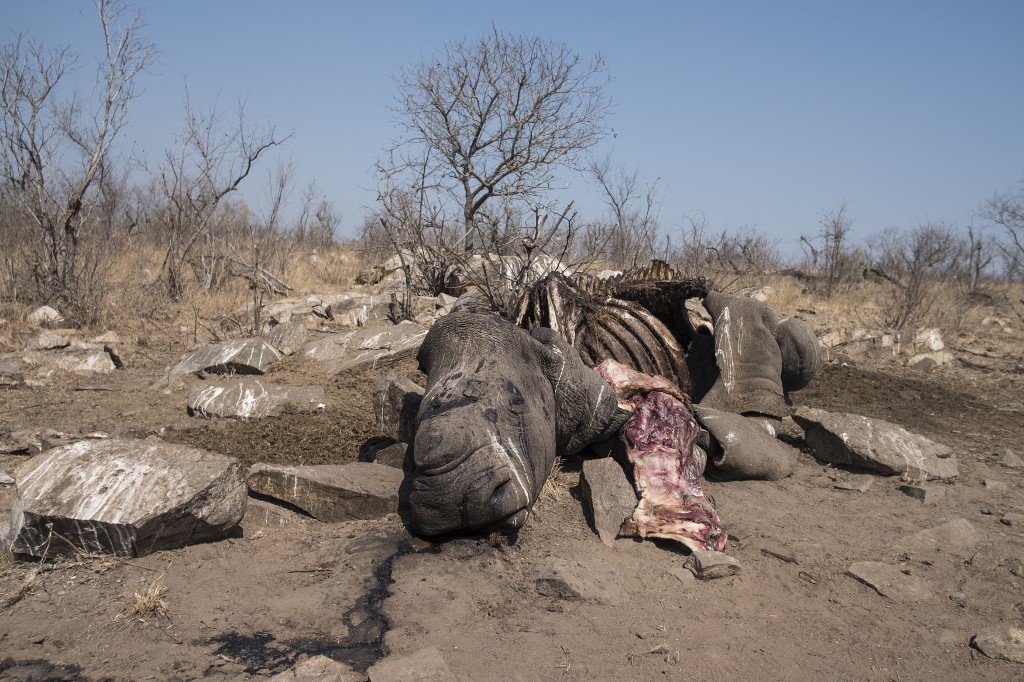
(637, 318)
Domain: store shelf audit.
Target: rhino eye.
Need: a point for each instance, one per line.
(516, 403)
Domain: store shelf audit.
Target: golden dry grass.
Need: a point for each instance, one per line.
(22, 591)
(149, 605)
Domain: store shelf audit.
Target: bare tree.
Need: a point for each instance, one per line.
(830, 252)
(493, 118)
(208, 163)
(1006, 211)
(912, 263)
(56, 147)
(630, 237)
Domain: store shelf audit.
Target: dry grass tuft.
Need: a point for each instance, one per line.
(558, 483)
(22, 591)
(147, 606)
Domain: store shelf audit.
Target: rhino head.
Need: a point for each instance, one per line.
(500, 403)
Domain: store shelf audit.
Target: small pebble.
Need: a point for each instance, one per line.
(959, 598)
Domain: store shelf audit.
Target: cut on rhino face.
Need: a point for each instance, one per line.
(500, 402)
(485, 439)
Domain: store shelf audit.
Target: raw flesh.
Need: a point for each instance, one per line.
(659, 440)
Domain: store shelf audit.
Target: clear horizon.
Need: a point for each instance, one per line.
(753, 115)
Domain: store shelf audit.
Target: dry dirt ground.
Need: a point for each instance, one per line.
(286, 587)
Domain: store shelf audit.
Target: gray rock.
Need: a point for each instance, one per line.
(889, 581)
(995, 486)
(43, 316)
(125, 497)
(396, 400)
(1014, 517)
(394, 455)
(47, 341)
(874, 444)
(746, 447)
(959, 598)
(924, 493)
(425, 665)
(855, 483)
(1010, 460)
(11, 380)
(243, 356)
(251, 398)
(1005, 643)
(331, 492)
(362, 349)
(288, 337)
(712, 565)
(85, 362)
(595, 580)
(319, 669)
(958, 534)
(608, 496)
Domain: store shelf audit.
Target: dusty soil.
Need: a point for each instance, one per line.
(286, 586)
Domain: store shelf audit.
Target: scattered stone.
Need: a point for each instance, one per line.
(396, 400)
(923, 493)
(243, 356)
(987, 511)
(874, 444)
(843, 359)
(711, 565)
(745, 447)
(86, 362)
(394, 455)
(425, 665)
(786, 558)
(1014, 517)
(47, 341)
(288, 337)
(125, 497)
(331, 492)
(251, 398)
(1010, 460)
(594, 580)
(956, 535)
(959, 598)
(11, 380)
(1004, 643)
(44, 316)
(929, 338)
(1018, 571)
(319, 669)
(926, 362)
(362, 349)
(608, 496)
(995, 486)
(889, 581)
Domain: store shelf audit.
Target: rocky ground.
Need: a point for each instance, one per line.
(837, 580)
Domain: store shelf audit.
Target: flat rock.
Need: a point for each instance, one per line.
(47, 341)
(251, 398)
(889, 581)
(331, 492)
(708, 565)
(1014, 517)
(925, 493)
(854, 483)
(43, 316)
(11, 380)
(1005, 643)
(243, 356)
(396, 400)
(995, 486)
(365, 348)
(394, 455)
(319, 669)
(958, 534)
(874, 444)
(608, 496)
(747, 448)
(288, 337)
(425, 665)
(1010, 460)
(594, 580)
(87, 362)
(125, 497)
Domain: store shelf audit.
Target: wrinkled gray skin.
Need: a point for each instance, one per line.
(500, 403)
(758, 357)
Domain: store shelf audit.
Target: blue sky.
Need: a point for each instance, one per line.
(759, 114)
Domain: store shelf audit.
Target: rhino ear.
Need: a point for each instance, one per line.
(587, 409)
(800, 356)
